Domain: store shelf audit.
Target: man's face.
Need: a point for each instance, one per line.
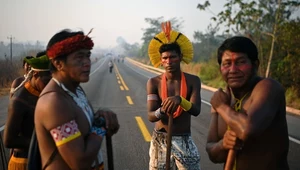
(170, 61)
(236, 69)
(41, 79)
(78, 66)
(26, 68)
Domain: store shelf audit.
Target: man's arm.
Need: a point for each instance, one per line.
(13, 125)
(214, 145)
(266, 98)
(152, 100)
(76, 150)
(195, 97)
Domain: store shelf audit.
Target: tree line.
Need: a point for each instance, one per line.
(271, 24)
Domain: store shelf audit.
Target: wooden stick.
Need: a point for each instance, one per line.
(231, 153)
(169, 142)
(230, 160)
(109, 149)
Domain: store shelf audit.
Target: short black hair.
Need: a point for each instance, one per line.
(41, 53)
(239, 44)
(170, 47)
(62, 35)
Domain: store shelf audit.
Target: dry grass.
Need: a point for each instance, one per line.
(8, 72)
(4, 91)
(209, 74)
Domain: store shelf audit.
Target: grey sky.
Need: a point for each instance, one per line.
(32, 20)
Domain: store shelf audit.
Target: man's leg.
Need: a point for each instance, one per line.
(158, 151)
(185, 153)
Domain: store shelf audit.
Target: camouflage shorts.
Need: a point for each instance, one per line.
(184, 153)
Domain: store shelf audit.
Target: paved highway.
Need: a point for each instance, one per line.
(124, 92)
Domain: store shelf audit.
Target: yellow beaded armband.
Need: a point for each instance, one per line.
(186, 105)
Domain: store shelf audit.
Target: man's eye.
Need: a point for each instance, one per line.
(226, 64)
(241, 62)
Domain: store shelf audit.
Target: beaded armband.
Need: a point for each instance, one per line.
(65, 133)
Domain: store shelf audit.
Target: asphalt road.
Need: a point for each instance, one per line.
(124, 92)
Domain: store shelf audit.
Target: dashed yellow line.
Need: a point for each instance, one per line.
(119, 77)
(119, 82)
(122, 88)
(129, 100)
(143, 128)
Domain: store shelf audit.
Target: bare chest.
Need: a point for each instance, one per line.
(174, 88)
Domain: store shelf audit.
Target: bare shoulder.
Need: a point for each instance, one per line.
(154, 80)
(17, 82)
(267, 85)
(54, 109)
(193, 79)
(152, 84)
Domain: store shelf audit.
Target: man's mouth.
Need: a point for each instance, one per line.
(235, 78)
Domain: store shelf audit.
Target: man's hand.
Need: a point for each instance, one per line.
(111, 121)
(230, 141)
(170, 105)
(219, 98)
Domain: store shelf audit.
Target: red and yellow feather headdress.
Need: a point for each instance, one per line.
(168, 36)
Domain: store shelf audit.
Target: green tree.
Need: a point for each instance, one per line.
(253, 18)
(206, 44)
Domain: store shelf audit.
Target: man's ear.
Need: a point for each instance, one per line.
(255, 65)
(57, 64)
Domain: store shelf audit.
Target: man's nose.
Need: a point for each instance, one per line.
(86, 62)
(233, 67)
(168, 60)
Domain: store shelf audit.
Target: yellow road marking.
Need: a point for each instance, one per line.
(143, 128)
(122, 88)
(119, 76)
(129, 100)
(119, 82)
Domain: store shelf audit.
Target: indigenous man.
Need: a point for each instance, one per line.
(20, 122)
(19, 80)
(250, 117)
(173, 93)
(64, 119)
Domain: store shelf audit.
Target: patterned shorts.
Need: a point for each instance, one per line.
(184, 153)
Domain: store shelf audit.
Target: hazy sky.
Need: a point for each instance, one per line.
(32, 20)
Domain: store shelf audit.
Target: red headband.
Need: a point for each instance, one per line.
(70, 45)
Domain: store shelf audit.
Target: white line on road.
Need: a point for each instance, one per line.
(2, 128)
(97, 68)
(294, 140)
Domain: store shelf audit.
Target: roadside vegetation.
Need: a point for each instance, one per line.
(272, 25)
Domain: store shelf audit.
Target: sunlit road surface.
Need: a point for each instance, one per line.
(124, 92)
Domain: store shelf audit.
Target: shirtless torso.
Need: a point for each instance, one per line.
(68, 109)
(261, 152)
(19, 125)
(249, 119)
(181, 124)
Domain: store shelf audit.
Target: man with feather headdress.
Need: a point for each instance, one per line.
(173, 93)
